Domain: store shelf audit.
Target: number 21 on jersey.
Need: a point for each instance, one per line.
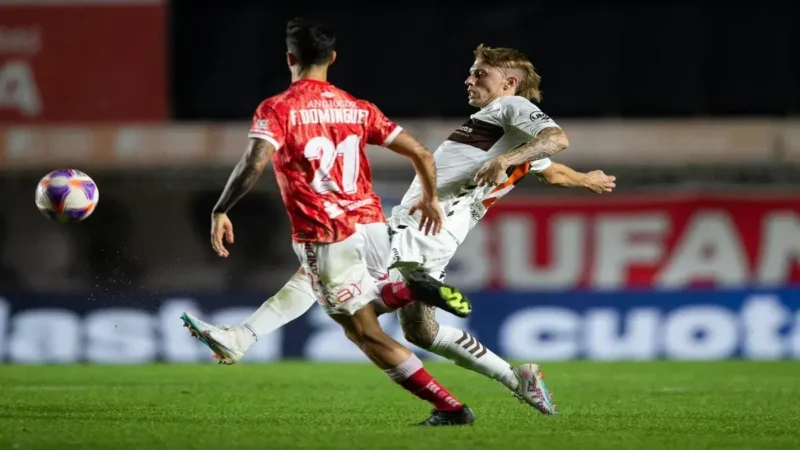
(346, 154)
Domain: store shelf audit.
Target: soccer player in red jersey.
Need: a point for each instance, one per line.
(315, 134)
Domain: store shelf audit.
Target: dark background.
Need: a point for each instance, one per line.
(599, 59)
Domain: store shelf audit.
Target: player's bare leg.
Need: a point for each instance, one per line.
(526, 382)
(403, 367)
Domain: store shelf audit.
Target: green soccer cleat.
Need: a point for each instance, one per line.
(426, 289)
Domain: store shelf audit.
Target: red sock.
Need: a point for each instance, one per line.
(423, 385)
(396, 295)
(415, 379)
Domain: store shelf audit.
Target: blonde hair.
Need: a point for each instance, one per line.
(509, 58)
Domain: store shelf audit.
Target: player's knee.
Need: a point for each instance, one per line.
(354, 336)
(421, 334)
(366, 339)
(374, 336)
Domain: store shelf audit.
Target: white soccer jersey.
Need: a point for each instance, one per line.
(501, 126)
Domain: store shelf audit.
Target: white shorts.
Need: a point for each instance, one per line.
(345, 274)
(409, 244)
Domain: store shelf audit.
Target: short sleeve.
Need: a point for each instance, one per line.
(540, 165)
(267, 126)
(380, 130)
(526, 117)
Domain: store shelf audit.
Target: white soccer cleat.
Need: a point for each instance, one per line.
(532, 390)
(220, 339)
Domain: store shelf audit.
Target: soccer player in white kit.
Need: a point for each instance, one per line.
(477, 164)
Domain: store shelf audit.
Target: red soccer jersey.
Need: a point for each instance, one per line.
(320, 134)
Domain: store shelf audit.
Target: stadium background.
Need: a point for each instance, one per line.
(696, 256)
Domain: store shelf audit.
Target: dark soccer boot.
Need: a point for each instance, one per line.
(463, 416)
(426, 289)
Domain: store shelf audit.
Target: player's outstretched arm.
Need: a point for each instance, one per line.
(564, 176)
(547, 143)
(245, 174)
(405, 144)
(243, 178)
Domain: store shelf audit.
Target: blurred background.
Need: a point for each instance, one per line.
(694, 108)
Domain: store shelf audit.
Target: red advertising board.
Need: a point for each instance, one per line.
(621, 242)
(82, 62)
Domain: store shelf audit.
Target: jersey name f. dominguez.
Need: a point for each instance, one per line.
(501, 126)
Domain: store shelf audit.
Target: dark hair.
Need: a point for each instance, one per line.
(311, 42)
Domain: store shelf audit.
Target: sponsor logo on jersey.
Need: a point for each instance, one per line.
(333, 210)
(538, 116)
(478, 134)
(477, 210)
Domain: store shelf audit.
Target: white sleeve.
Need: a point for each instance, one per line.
(526, 117)
(540, 165)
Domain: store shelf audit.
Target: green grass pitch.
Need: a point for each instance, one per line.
(643, 406)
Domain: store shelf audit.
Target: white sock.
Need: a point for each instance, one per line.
(463, 349)
(292, 301)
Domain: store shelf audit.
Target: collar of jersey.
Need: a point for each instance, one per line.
(492, 104)
(308, 80)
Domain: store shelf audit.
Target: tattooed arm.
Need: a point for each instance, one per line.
(564, 176)
(547, 143)
(245, 174)
(243, 178)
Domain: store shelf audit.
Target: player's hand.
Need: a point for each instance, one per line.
(492, 173)
(598, 182)
(221, 226)
(431, 215)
